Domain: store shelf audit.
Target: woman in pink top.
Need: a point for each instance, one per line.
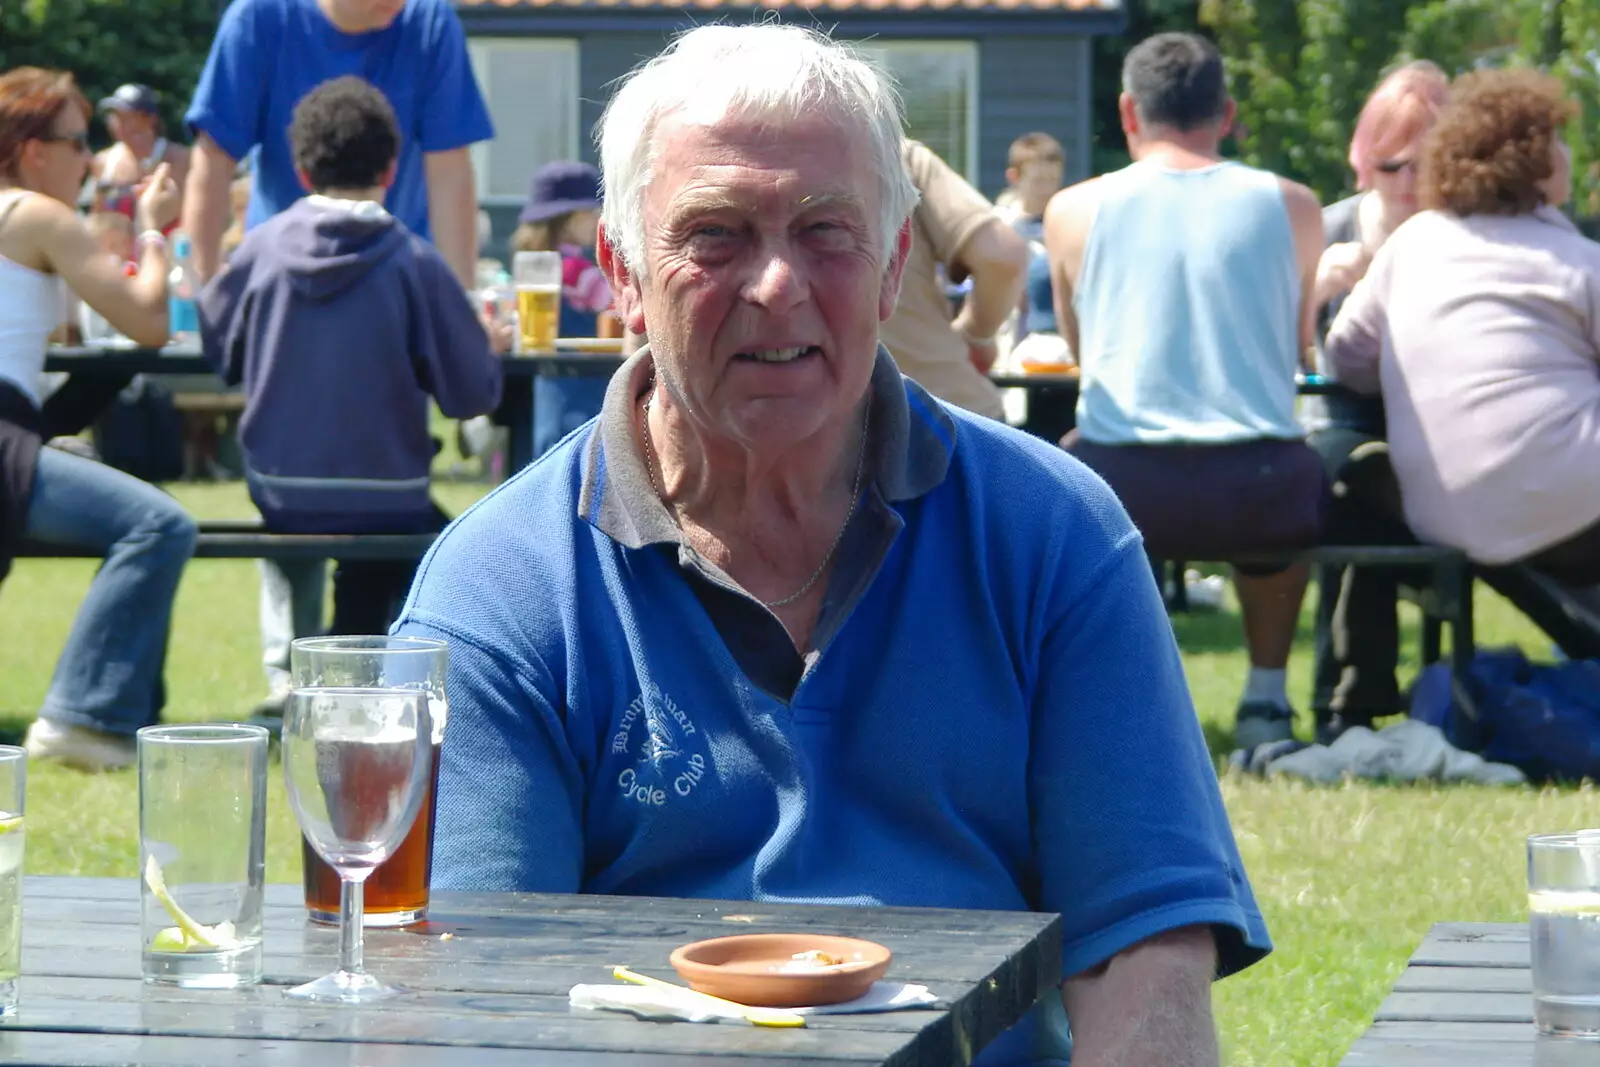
(1479, 322)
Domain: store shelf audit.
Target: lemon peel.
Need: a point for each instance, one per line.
(10, 823)
(193, 935)
(1564, 902)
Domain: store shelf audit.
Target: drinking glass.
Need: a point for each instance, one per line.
(13, 786)
(537, 277)
(357, 742)
(202, 853)
(396, 892)
(1564, 932)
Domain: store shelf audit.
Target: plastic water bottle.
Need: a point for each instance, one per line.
(183, 317)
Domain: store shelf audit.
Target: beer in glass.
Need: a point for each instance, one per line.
(537, 276)
(396, 892)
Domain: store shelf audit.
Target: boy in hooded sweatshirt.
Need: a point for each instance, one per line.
(340, 323)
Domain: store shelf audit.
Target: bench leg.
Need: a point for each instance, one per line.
(1432, 637)
(1455, 587)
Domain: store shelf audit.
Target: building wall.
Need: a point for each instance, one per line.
(1025, 83)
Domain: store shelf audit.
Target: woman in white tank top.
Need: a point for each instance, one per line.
(107, 682)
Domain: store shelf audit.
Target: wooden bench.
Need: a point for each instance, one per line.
(1449, 600)
(1446, 600)
(245, 539)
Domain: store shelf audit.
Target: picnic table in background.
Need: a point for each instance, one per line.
(112, 367)
(1465, 1000)
(489, 975)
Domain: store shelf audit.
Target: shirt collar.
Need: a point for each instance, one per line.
(913, 440)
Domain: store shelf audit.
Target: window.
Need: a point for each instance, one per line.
(531, 85)
(939, 84)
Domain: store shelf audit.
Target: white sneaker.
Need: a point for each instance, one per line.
(79, 746)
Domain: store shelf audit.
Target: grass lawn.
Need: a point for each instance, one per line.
(1349, 877)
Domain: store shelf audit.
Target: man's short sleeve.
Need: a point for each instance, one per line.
(228, 103)
(452, 113)
(951, 210)
(1132, 836)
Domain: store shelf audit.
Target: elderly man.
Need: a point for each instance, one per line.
(781, 626)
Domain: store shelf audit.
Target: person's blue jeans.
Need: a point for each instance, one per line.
(109, 674)
(561, 405)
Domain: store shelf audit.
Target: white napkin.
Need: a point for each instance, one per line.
(652, 1002)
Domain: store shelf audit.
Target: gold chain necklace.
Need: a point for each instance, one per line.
(855, 496)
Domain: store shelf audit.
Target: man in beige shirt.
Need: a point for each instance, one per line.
(955, 226)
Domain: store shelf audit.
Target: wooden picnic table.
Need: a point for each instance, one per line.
(516, 405)
(1465, 1000)
(489, 976)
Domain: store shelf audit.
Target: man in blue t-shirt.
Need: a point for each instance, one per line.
(781, 626)
(268, 54)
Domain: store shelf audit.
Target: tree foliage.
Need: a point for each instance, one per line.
(104, 43)
(1301, 69)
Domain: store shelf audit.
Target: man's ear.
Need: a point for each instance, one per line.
(305, 179)
(626, 295)
(1129, 114)
(389, 173)
(889, 295)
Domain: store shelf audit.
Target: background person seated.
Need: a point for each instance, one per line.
(1479, 321)
(108, 680)
(562, 215)
(341, 324)
(1183, 284)
(1357, 634)
(957, 231)
(1034, 166)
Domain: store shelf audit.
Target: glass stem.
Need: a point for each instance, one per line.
(351, 897)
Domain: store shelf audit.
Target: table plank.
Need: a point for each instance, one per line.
(493, 971)
(71, 1050)
(1417, 979)
(1458, 1006)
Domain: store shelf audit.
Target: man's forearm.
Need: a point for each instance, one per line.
(453, 211)
(205, 205)
(1148, 1007)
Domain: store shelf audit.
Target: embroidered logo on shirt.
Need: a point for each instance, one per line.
(668, 754)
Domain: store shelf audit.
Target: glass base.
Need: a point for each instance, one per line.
(372, 919)
(205, 970)
(1567, 1016)
(343, 987)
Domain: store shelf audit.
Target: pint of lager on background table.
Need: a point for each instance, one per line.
(537, 277)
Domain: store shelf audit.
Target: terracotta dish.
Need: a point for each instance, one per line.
(782, 970)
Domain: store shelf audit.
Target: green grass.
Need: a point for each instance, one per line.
(1350, 877)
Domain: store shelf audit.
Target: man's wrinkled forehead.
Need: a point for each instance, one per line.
(706, 151)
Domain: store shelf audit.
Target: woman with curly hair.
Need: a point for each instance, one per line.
(1479, 322)
(1357, 632)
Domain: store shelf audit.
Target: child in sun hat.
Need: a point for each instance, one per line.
(563, 215)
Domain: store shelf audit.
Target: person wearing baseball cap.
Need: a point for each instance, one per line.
(562, 214)
(133, 117)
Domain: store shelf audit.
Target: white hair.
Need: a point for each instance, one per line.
(765, 71)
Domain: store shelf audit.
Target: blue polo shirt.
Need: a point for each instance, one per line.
(268, 54)
(994, 715)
